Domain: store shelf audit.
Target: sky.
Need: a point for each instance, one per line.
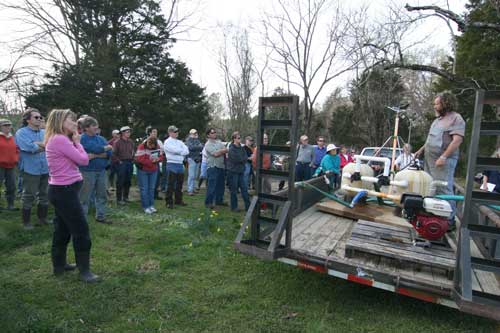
(199, 46)
(199, 50)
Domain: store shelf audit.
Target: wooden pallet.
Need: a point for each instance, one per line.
(395, 243)
(368, 212)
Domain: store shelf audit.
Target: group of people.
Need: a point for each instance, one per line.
(67, 163)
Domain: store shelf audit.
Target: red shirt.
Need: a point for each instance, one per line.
(9, 153)
(143, 156)
(345, 159)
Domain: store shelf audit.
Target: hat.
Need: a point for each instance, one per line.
(4, 122)
(172, 128)
(331, 146)
(193, 131)
(125, 128)
(115, 131)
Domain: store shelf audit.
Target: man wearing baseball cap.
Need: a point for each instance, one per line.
(8, 161)
(175, 152)
(123, 154)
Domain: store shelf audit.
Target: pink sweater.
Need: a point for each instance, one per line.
(64, 157)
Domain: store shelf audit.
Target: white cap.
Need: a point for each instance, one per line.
(115, 131)
(124, 128)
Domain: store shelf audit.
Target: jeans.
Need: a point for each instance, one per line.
(215, 186)
(246, 174)
(193, 170)
(302, 172)
(147, 183)
(124, 179)
(444, 173)
(8, 176)
(70, 221)
(93, 192)
(35, 185)
(237, 182)
(203, 171)
(451, 164)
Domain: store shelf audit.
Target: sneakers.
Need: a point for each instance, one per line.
(121, 203)
(103, 221)
(150, 210)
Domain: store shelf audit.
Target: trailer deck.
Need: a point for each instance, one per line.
(319, 241)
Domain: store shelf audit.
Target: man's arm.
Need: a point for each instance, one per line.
(455, 143)
(419, 152)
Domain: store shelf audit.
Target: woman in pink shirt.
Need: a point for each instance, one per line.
(64, 155)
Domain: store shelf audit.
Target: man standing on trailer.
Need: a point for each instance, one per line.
(442, 145)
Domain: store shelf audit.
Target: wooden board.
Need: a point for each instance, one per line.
(368, 212)
(388, 241)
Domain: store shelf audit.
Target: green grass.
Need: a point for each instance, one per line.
(171, 273)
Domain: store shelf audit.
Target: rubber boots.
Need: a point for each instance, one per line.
(59, 261)
(41, 212)
(83, 263)
(26, 214)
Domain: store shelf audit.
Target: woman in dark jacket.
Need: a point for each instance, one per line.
(236, 160)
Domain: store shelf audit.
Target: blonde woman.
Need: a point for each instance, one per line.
(64, 155)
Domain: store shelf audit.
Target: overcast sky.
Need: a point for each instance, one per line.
(198, 48)
(200, 54)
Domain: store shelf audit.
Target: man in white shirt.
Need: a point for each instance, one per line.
(175, 152)
(405, 159)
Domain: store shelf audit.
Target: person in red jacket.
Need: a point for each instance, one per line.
(8, 160)
(345, 158)
(147, 158)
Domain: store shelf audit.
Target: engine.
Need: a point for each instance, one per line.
(429, 216)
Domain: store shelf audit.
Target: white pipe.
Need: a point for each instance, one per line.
(369, 179)
(434, 184)
(395, 198)
(385, 160)
(399, 183)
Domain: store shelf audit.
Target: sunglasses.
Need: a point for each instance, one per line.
(212, 133)
(238, 137)
(38, 117)
(321, 140)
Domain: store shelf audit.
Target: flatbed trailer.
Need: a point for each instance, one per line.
(298, 234)
(319, 244)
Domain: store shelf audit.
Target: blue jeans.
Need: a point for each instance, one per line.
(302, 172)
(247, 173)
(94, 191)
(451, 164)
(147, 184)
(236, 182)
(192, 174)
(215, 186)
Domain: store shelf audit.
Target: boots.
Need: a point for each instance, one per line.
(59, 261)
(83, 263)
(119, 194)
(10, 205)
(27, 219)
(41, 212)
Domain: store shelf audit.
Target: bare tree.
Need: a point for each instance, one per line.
(309, 42)
(237, 66)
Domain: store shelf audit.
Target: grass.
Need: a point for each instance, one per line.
(177, 271)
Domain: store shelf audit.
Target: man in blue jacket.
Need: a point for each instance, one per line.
(29, 139)
(94, 174)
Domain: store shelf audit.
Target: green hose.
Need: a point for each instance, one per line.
(328, 195)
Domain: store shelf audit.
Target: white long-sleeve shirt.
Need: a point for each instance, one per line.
(175, 150)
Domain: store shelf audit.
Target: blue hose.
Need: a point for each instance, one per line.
(358, 197)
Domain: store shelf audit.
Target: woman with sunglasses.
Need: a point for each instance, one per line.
(64, 156)
(236, 160)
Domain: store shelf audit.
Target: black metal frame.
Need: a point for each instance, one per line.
(256, 244)
(469, 228)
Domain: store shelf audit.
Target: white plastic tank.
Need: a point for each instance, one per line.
(349, 169)
(419, 182)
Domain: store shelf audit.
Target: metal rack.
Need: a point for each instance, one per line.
(265, 233)
(464, 294)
